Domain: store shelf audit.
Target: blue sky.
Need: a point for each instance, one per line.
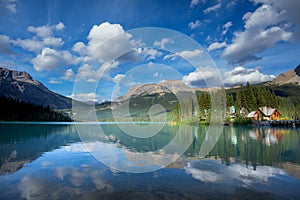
(57, 41)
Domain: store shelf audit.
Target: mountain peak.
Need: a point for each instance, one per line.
(165, 86)
(297, 70)
(20, 85)
(12, 75)
(291, 76)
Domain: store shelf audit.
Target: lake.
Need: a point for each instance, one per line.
(67, 161)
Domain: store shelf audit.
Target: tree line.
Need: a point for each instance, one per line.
(254, 97)
(17, 110)
(248, 97)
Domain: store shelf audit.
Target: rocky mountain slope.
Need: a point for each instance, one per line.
(141, 97)
(20, 85)
(289, 77)
(164, 87)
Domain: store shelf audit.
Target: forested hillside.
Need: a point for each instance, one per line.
(16, 110)
(249, 98)
(285, 98)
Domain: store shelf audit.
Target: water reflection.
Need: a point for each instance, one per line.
(50, 162)
(254, 146)
(69, 175)
(22, 143)
(123, 152)
(264, 178)
(70, 172)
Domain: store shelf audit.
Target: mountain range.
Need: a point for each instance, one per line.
(289, 77)
(20, 85)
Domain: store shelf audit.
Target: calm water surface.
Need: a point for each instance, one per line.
(50, 161)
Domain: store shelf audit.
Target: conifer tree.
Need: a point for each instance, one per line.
(229, 100)
(249, 98)
(240, 98)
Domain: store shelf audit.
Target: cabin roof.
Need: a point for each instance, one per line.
(251, 114)
(267, 111)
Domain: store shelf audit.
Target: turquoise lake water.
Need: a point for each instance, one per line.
(53, 161)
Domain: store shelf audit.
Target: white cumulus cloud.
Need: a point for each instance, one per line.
(216, 45)
(184, 54)
(163, 42)
(202, 77)
(194, 25)
(59, 26)
(35, 45)
(89, 74)
(226, 27)
(231, 3)
(212, 8)
(272, 22)
(241, 75)
(46, 30)
(151, 53)
(50, 59)
(211, 77)
(42, 31)
(69, 75)
(248, 44)
(43, 38)
(8, 5)
(107, 42)
(92, 96)
(29, 44)
(194, 3)
(189, 54)
(80, 48)
(54, 81)
(53, 41)
(118, 77)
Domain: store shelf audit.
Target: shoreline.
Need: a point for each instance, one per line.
(279, 123)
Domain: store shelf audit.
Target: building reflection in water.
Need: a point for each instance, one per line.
(256, 146)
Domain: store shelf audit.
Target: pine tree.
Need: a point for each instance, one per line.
(249, 98)
(200, 98)
(256, 95)
(229, 100)
(176, 113)
(240, 98)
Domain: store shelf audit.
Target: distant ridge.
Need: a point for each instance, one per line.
(20, 85)
(289, 77)
(166, 86)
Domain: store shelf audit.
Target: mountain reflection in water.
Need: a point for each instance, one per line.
(49, 161)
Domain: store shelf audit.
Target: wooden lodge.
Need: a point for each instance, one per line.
(264, 113)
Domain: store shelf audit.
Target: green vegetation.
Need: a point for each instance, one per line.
(138, 107)
(241, 121)
(284, 98)
(16, 110)
(201, 111)
(239, 102)
(253, 97)
(244, 100)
